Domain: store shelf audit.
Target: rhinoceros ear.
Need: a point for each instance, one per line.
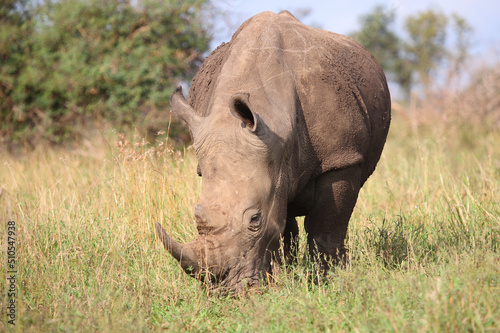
(240, 107)
(181, 108)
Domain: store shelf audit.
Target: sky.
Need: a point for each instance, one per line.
(343, 16)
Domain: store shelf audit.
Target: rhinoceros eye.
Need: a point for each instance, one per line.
(198, 170)
(255, 222)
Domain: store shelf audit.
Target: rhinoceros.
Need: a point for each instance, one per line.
(286, 120)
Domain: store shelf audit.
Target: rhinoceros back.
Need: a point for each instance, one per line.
(341, 93)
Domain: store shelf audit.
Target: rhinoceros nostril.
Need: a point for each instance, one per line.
(199, 214)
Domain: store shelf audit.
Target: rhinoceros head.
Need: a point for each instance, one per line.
(242, 207)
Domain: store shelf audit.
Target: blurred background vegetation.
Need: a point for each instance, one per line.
(71, 65)
(70, 68)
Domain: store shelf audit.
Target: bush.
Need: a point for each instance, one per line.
(75, 62)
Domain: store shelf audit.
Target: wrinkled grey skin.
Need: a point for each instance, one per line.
(286, 120)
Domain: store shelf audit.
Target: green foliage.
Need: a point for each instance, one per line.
(433, 39)
(463, 41)
(378, 36)
(426, 47)
(15, 25)
(94, 61)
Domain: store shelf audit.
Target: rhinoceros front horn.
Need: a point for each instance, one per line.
(181, 108)
(184, 253)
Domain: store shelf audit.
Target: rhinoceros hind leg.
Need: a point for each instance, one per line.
(335, 195)
(290, 240)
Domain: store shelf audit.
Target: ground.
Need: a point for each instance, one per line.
(423, 242)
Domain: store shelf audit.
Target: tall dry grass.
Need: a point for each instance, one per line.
(423, 241)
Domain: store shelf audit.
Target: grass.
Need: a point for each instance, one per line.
(423, 243)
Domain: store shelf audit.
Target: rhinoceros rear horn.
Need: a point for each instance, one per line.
(181, 108)
(184, 253)
(240, 107)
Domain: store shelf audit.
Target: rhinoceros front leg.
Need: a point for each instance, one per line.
(335, 195)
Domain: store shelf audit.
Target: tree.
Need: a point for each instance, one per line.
(463, 36)
(378, 36)
(99, 60)
(426, 48)
(15, 29)
(416, 59)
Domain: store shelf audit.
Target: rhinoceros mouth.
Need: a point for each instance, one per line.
(229, 280)
(232, 286)
(233, 276)
(242, 277)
